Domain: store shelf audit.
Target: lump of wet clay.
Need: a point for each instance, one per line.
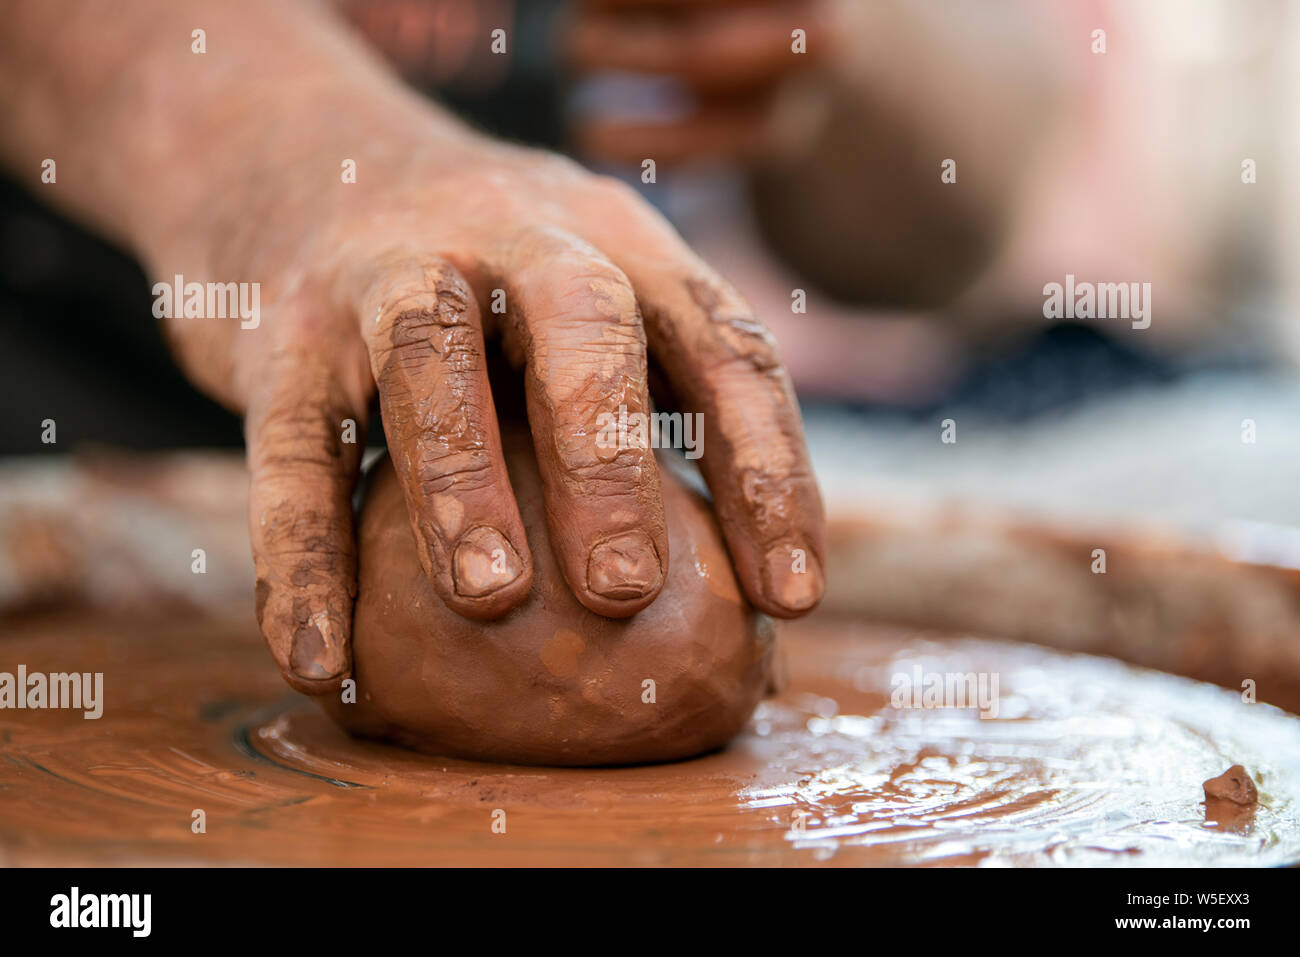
(551, 682)
(1232, 785)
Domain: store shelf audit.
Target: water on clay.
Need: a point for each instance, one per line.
(1088, 762)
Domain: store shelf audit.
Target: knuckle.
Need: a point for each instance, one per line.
(304, 546)
(773, 498)
(743, 353)
(413, 300)
(436, 417)
(587, 470)
(414, 317)
(612, 193)
(737, 334)
(297, 437)
(401, 366)
(460, 349)
(454, 471)
(600, 432)
(593, 311)
(607, 295)
(622, 477)
(550, 165)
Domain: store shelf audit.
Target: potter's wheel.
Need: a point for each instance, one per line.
(1088, 762)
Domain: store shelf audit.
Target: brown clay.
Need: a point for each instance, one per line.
(192, 719)
(1233, 785)
(552, 682)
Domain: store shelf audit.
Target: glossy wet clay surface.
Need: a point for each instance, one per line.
(1087, 762)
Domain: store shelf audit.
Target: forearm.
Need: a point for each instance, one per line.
(152, 139)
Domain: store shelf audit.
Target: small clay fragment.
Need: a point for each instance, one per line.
(552, 682)
(1232, 785)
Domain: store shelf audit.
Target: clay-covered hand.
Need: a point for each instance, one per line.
(390, 285)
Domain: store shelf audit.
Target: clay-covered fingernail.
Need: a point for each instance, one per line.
(484, 562)
(317, 653)
(624, 567)
(793, 577)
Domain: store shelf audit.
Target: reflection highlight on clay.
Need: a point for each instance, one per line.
(1093, 762)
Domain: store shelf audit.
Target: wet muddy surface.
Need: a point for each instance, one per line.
(1088, 761)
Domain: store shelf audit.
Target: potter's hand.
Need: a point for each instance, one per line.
(234, 166)
(387, 286)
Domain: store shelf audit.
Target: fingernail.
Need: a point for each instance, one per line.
(484, 562)
(624, 566)
(317, 653)
(793, 577)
